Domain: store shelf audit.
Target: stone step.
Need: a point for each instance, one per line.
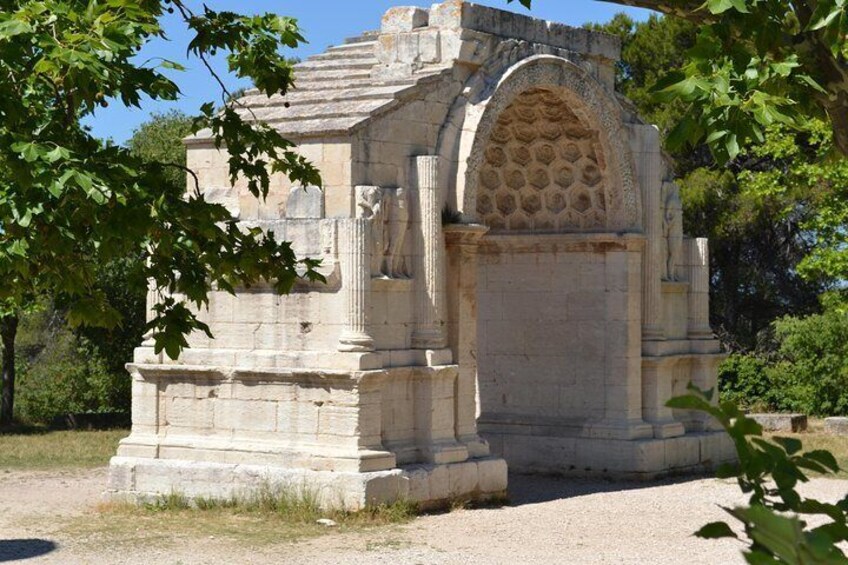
(361, 47)
(342, 84)
(320, 126)
(345, 55)
(362, 38)
(321, 109)
(330, 75)
(296, 98)
(341, 64)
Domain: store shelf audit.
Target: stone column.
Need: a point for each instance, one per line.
(649, 164)
(430, 275)
(462, 241)
(356, 279)
(699, 289)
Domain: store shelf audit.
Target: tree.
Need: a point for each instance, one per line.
(70, 203)
(757, 207)
(756, 63)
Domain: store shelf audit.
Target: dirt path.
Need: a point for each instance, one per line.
(550, 521)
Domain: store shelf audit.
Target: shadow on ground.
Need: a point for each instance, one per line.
(534, 489)
(16, 549)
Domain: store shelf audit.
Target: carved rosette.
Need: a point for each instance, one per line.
(543, 170)
(430, 276)
(356, 279)
(595, 108)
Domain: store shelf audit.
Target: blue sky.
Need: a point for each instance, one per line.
(324, 22)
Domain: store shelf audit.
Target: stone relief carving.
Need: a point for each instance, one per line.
(588, 100)
(672, 230)
(395, 261)
(388, 211)
(543, 169)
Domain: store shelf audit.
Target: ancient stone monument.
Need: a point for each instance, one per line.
(508, 279)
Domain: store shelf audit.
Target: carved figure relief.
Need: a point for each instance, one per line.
(543, 169)
(672, 230)
(395, 262)
(388, 211)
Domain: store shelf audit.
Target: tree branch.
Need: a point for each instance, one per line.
(687, 9)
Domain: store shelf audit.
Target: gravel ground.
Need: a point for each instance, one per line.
(549, 521)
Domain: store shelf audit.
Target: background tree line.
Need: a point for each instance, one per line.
(775, 215)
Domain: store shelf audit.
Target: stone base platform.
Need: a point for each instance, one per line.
(645, 459)
(143, 479)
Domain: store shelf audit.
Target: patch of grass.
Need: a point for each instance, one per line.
(816, 438)
(268, 517)
(35, 448)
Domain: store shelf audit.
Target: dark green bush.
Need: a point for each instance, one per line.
(68, 376)
(742, 379)
(808, 371)
(61, 371)
(812, 365)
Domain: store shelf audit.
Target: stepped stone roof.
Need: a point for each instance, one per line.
(334, 91)
(345, 87)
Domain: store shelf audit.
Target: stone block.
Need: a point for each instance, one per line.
(462, 478)
(419, 484)
(781, 422)
(305, 202)
(245, 415)
(492, 475)
(440, 483)
(403, 19)
(836, 426)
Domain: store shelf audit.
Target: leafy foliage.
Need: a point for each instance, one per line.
(61, 372)
(756, 210)
(770, 473)
(812, 363)
(70, 203)
(756, 64)
(742, 379)
(159, 140)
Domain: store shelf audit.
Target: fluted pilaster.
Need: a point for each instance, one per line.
(650, 170)
(430, 276)
(356, 279)
(699, 289)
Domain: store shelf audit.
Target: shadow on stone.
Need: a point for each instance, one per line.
(535, 489)
(16, 549)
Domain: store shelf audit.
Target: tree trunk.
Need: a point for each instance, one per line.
(8, 331)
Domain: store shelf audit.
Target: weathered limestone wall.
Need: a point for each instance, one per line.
(331, 156)
(552, 325)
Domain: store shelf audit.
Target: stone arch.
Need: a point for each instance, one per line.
(590, 107)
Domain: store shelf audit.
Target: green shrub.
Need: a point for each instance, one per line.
(743, 380)
(812, 363)
(807, 371)
(67, 376)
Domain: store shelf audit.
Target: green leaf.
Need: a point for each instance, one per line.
(790, 444)
(823, 457)
(12, 27)
(30, 152)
